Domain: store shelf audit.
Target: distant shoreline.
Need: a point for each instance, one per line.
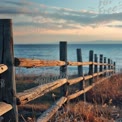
(72, 44)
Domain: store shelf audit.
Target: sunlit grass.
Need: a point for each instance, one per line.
(103, 103)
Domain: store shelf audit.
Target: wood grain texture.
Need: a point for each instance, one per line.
(3, 68)
(46, 116)
(8, 91)
(80, 70)
(78, 63)
(33, 93)
(75, 80)
(4, 108)
(91, 66)
(29, 63)
(63, 69)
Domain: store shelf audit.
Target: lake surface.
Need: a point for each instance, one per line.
(51, 52)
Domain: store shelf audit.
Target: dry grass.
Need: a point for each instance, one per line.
(83, 112)
(110, 89)
(104, 104)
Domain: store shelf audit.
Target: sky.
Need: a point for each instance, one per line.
(74, 21)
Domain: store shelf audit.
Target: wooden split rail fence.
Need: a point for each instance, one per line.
(8, 96)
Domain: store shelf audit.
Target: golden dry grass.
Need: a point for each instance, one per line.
(83, 112)
(105, 102)
(102, 100)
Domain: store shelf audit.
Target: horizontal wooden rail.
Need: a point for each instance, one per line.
(4, 108)
(79, 93)
(86, 89)
(33, 93)
(3, 68)
(104, 64)
(46, 116)
(78, 63)
(100, 73)
(76, 80)
(29, 63)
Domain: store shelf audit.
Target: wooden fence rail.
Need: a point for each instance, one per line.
(4, 108)
(33, 93)
(30, 63)
(103, 69)
(3, 68)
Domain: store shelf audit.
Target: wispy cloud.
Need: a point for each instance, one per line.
(48, 25)
(115, 26)
(81, 17)
(17, 3)
(42, 19)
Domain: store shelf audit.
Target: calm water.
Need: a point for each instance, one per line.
(51, 52)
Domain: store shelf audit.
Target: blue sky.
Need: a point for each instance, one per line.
(50, 21)
(72, 4)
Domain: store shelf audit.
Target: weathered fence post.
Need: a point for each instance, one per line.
(105, 66)
(109, 66)
(91, 58)
(96, 66)
(80, 68)
(63, 69)
(101, 61)
(114, 67)
(8, 90)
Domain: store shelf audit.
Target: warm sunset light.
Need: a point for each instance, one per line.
(77, 21)
(60, 60)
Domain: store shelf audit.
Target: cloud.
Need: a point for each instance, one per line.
(47, 25)
(115, 26)
(51, 17)
(17, 7)
(17, 3)
(14, 10)
(82, 17)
